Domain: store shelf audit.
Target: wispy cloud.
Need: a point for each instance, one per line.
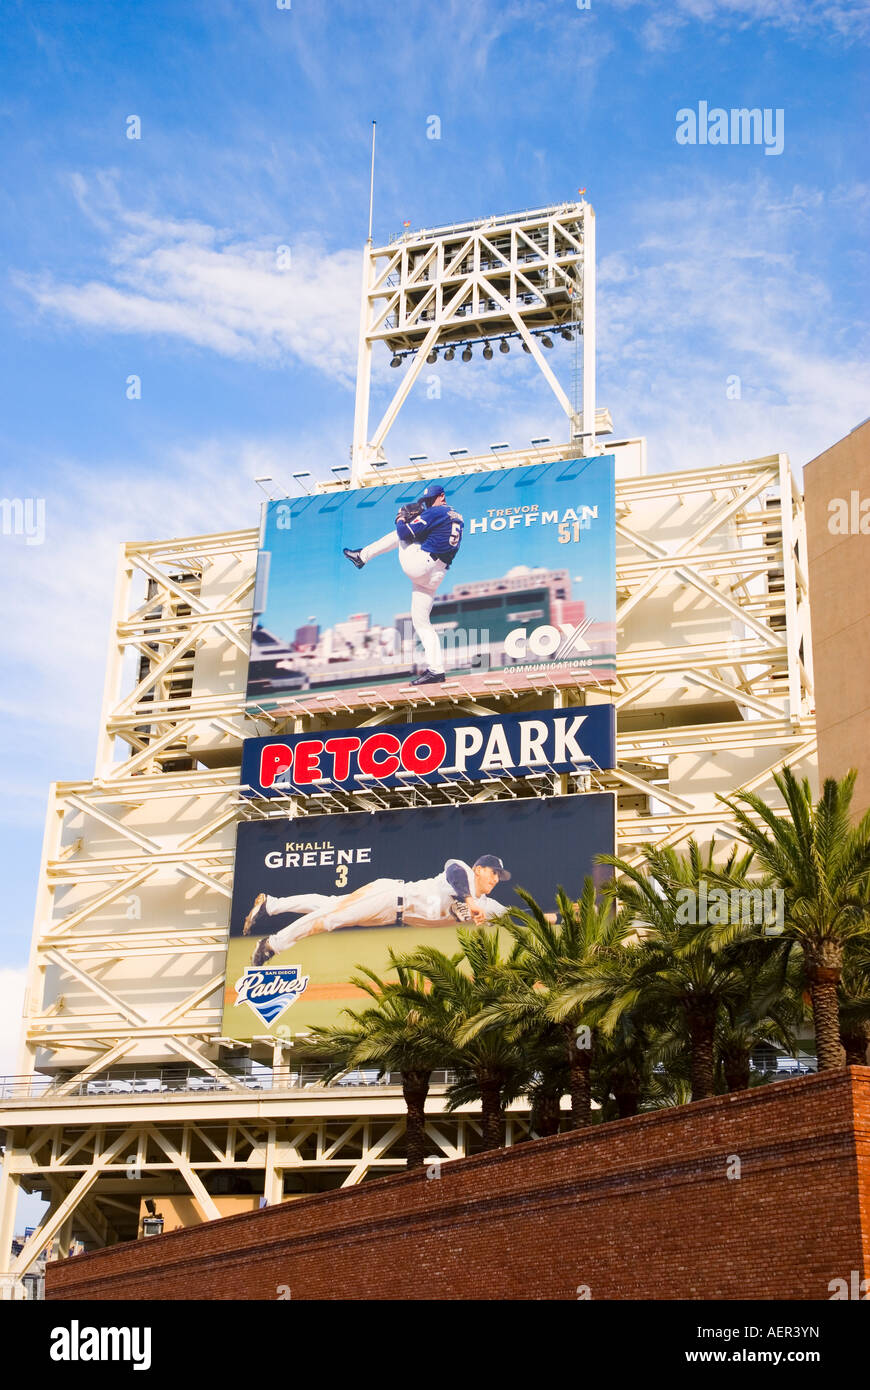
(188, 280)
(54, 667)
(721, 286)
(807, 19)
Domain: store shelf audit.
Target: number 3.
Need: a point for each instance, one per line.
(341, 876)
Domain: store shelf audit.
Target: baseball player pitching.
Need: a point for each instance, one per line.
(460, 893)
(428, 535)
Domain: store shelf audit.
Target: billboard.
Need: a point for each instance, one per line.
(449, 750)
(473, 582)
(314, 897)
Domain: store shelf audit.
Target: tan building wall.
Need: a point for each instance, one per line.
(836, 485)
(179, 1212)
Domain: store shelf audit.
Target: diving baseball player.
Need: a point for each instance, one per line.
(428, 535)
(459, 893)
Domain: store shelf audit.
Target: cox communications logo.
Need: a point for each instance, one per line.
(547, 643)
(270, 992)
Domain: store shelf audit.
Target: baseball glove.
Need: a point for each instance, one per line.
(409, 511)
(461, 911)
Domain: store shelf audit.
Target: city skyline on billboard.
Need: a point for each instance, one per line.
(508, 573)
(315, 898)
(432, 752)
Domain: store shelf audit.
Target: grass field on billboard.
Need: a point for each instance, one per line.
(315, 897)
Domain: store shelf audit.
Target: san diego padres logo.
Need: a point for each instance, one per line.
(270, 992)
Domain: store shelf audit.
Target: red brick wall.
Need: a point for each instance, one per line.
(640, 1208)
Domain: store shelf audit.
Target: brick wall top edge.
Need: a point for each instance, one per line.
(844, 1084)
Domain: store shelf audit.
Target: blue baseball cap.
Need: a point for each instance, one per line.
(491, 861)
(433, 490)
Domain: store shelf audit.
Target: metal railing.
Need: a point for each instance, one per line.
(188, 1081)
(801, 1064)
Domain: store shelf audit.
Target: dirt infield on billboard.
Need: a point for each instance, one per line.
(315, 897)
(450, 583)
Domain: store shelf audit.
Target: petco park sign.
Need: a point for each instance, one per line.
(513, 745)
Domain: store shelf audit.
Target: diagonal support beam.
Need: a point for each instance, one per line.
(51, 1224)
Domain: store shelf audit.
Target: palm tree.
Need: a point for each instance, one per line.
(765, 1007)
(547, 1082)
(821, 862)
(623, 1066)
(667, 1091)
(489, 1064)
(855, 1002)
(398, 1032)
(549, 955)
(677, 974)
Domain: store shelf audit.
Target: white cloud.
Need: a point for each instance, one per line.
(212, 288)
(55, 619)
(721, 284)
(811, 19)
(11, 1004)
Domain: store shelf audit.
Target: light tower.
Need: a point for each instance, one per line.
(517, 276)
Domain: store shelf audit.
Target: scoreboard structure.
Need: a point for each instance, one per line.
(136, 1093)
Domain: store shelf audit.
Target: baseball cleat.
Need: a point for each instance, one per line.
(254, 913)
(355, 557)
(429, 678)
(262, 952)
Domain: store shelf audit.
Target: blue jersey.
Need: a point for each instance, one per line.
(437, 530)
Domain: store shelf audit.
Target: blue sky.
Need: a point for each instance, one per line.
(156, 258)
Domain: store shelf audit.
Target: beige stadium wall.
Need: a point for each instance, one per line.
(675, 616)
(840, 578)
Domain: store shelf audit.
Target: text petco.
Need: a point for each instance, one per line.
(516, 744)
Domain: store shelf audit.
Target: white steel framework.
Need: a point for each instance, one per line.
(714, 693)
(485, 281)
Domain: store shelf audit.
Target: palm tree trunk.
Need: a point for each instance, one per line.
(627, 1100)
(546, 1114)
(702, 1027)
(415, 1089)
(492, 1120)
(856, 1040)
(824, 966)
(736, 1065)
(579, 1080)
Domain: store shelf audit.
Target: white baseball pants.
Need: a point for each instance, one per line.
(375, 904)
(425, 574)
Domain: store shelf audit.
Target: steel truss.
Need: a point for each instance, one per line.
(497, 278)
(98, 1161)
(714, 693)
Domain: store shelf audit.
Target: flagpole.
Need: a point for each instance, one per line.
(372, 183)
